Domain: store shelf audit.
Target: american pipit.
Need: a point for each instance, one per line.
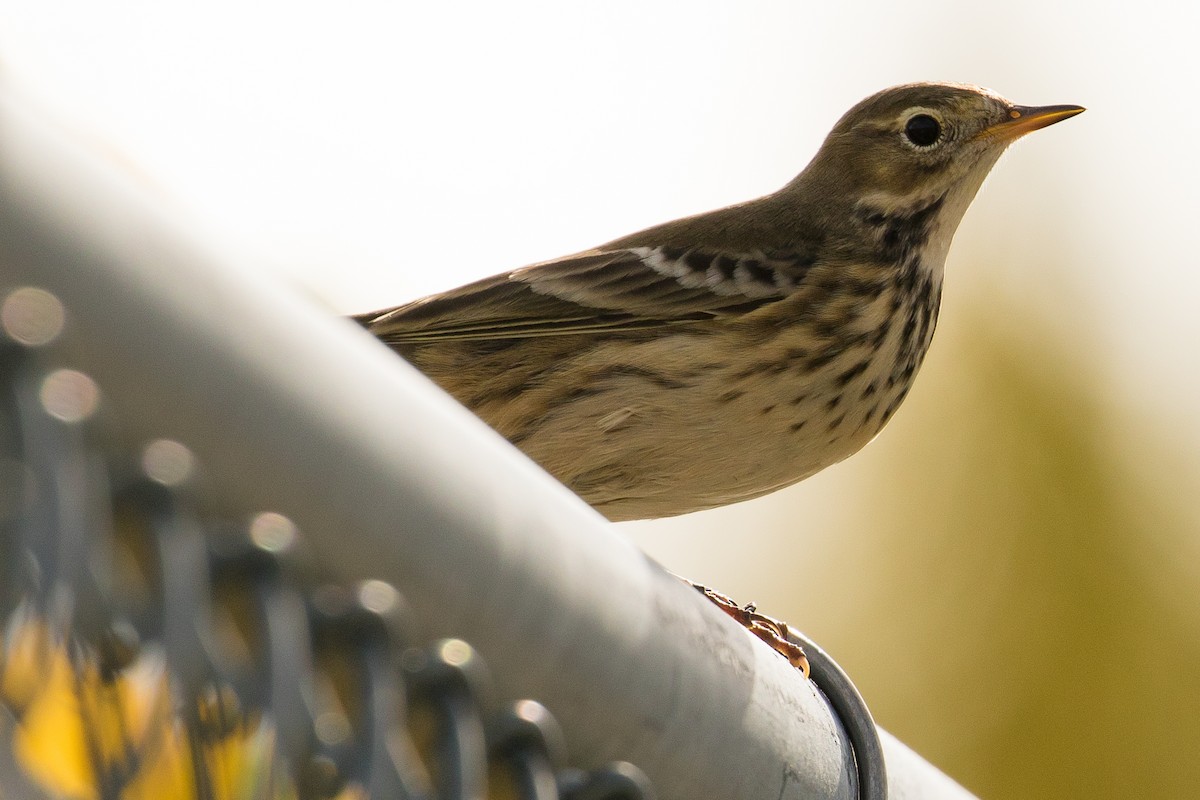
(726, 355)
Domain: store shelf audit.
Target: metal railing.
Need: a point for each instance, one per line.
(218, 474)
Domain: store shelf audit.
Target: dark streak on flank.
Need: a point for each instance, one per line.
(630, 371)
(821, 359)
(853, 372)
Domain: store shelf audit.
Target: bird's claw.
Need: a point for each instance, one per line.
(772, 631)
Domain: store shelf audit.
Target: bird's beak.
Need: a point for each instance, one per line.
(1023, 119)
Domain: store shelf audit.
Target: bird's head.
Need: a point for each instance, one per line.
(906, 147)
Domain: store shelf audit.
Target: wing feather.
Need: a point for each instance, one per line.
(596, 290)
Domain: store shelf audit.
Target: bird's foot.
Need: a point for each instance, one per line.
(772, 631)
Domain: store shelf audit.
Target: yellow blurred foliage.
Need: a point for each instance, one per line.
(78, 730)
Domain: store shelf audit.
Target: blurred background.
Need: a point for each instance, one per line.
(1011, 571)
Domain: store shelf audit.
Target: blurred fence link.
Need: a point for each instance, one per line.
(154, 646)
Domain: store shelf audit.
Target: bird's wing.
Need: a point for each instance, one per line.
(596, 290)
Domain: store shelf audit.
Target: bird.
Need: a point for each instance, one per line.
(725, 355)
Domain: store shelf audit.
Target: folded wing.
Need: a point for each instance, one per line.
(596, 290)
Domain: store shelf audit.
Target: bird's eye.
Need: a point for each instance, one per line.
(923, 130)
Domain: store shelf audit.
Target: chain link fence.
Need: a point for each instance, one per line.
(155, 647)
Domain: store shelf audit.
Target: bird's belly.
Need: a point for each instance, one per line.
(647, 443)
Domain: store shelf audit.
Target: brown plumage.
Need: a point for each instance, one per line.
(723, 356)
